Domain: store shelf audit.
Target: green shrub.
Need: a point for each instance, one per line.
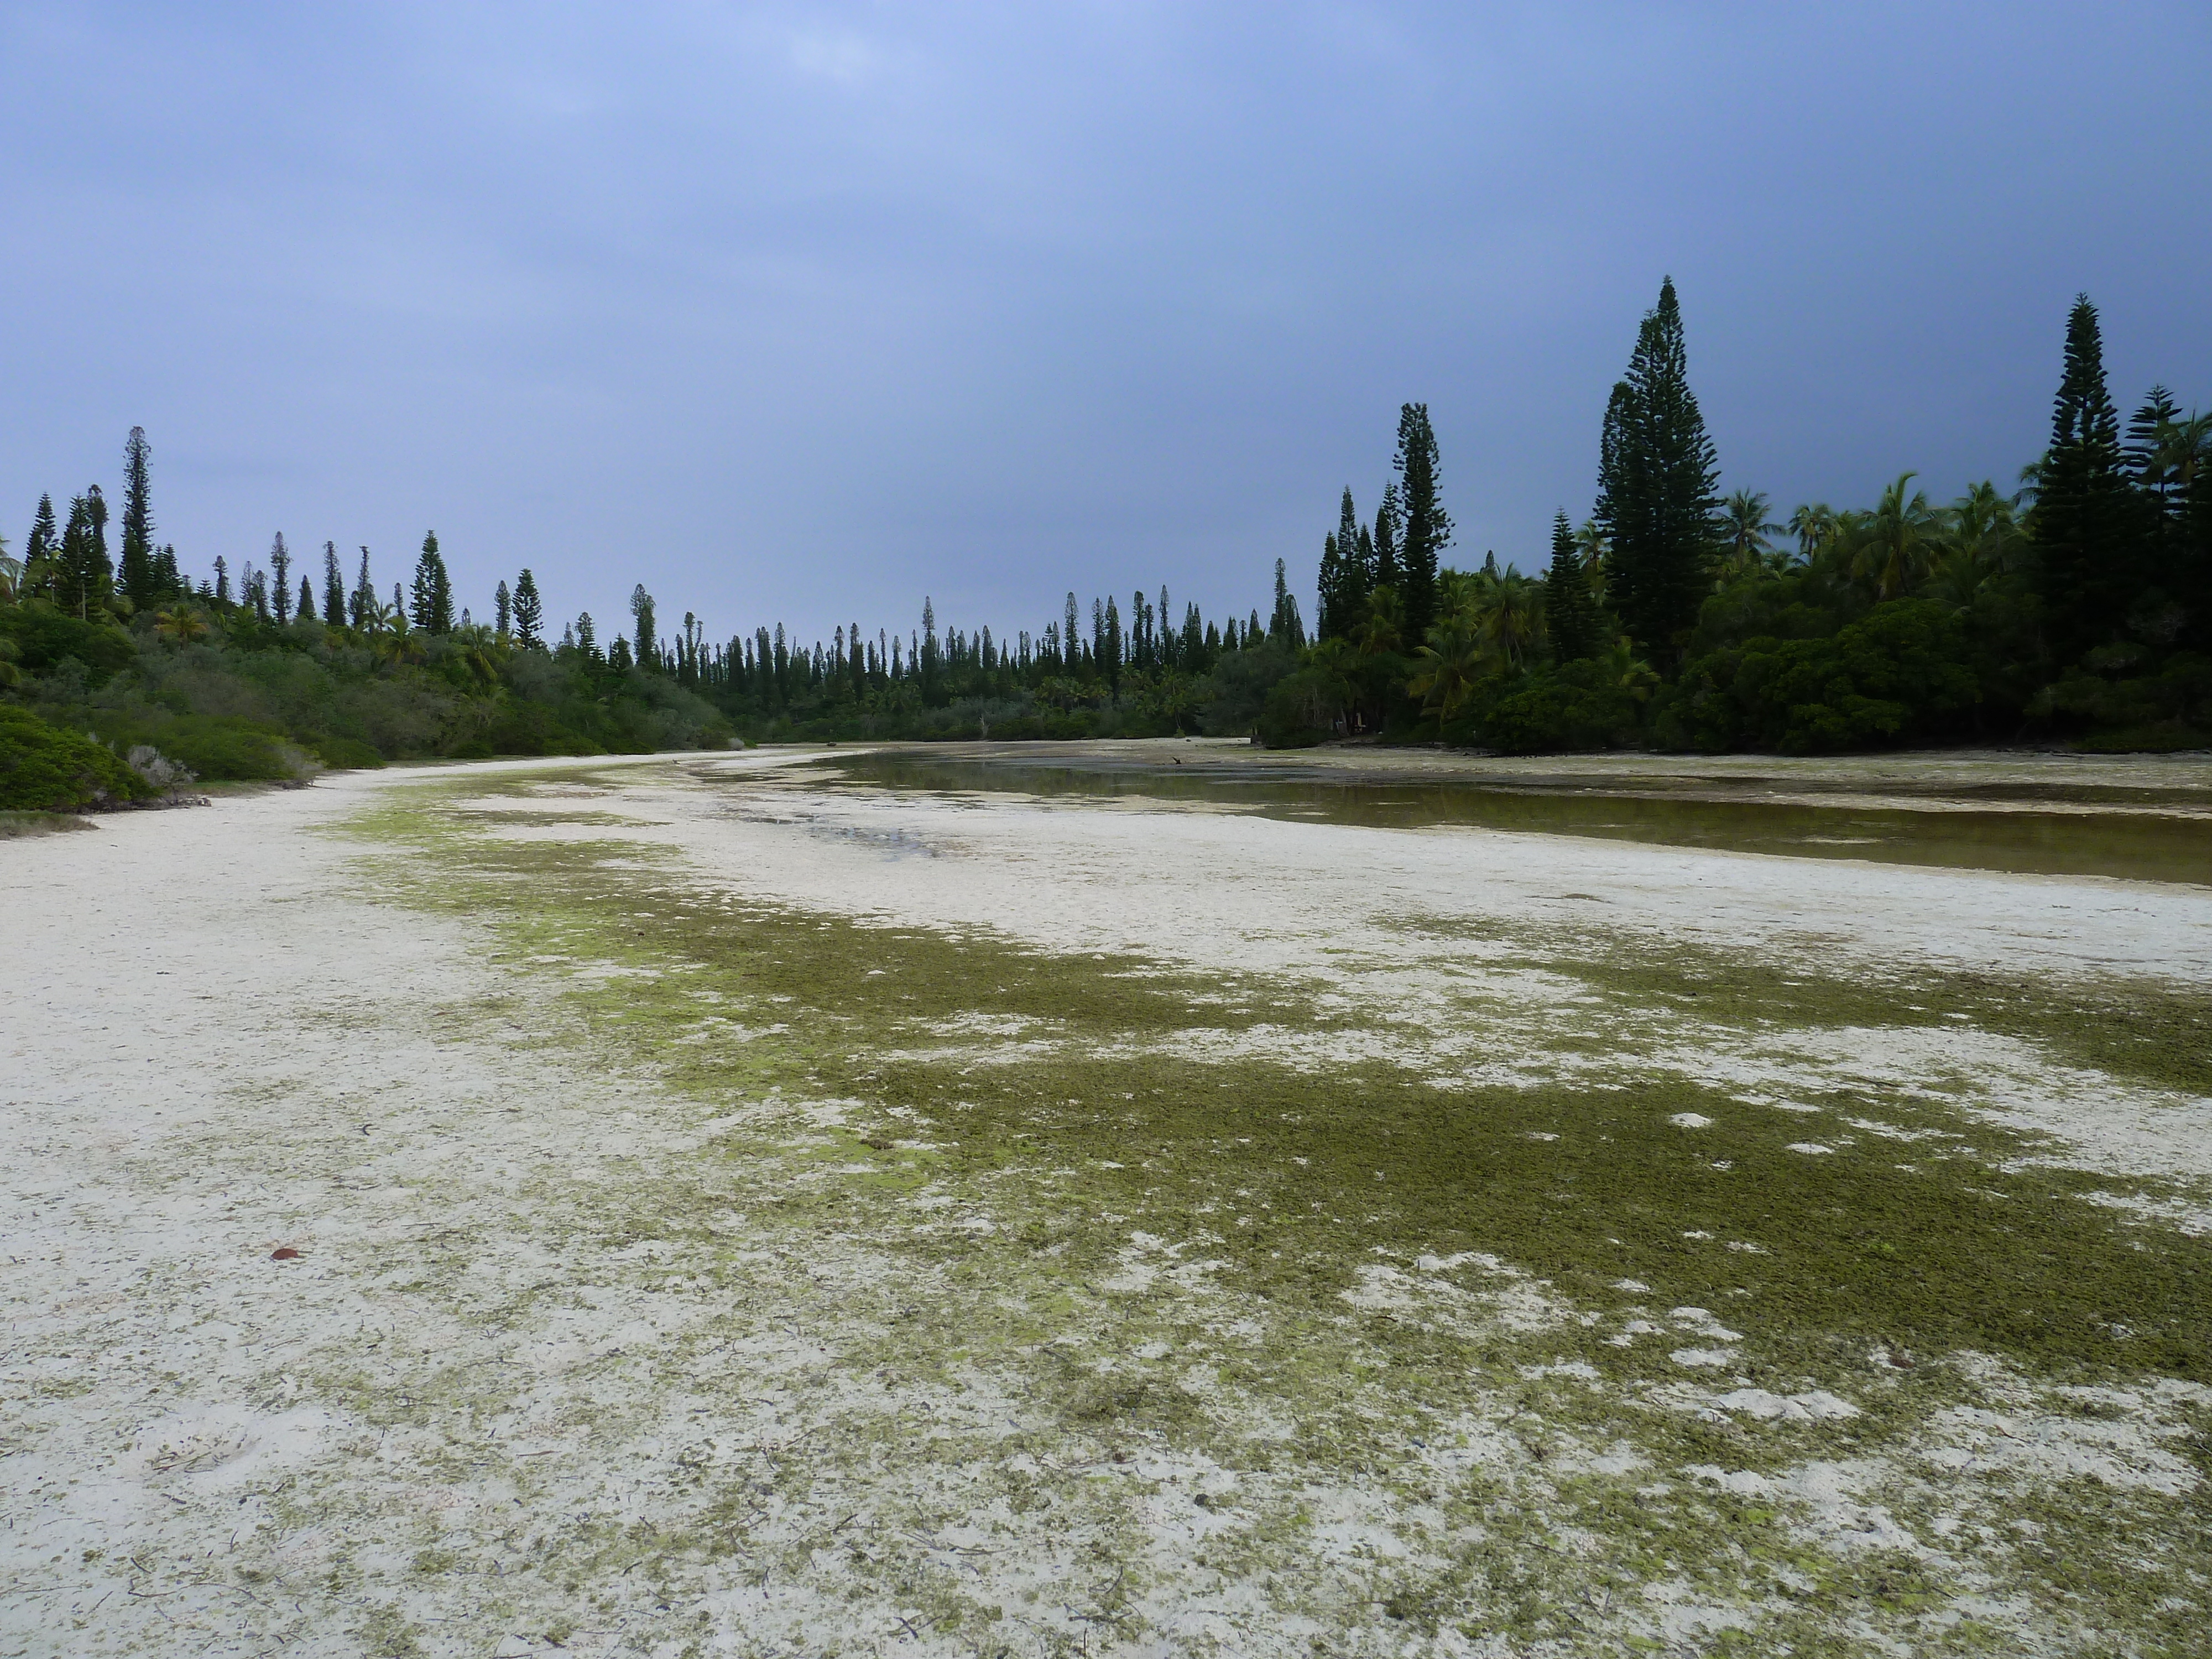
(344, 753)
(231, 750)
(1574, 707)
(1296, 711)
(46, 768)
(1894, 676)
(44, 638)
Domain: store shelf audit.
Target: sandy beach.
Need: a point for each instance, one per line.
(739, 1212)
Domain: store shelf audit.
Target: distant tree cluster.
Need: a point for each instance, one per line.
(2079, 605)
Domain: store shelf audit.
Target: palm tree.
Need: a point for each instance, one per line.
(1590, 549)
(1750, 531)
(1507, 611)
(1383, 627)
(1447, 669)
(1902, 537)
(2180, 447)
(392, 637)
(181, 622)
(11, 573)
(477, 649)
(1814, 525)
(1985, 528)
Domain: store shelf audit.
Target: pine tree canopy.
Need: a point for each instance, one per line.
(529, 613)
(1657, 478)
(1382, 568)
(280, 562)
(139, 579)
(1570, 613)
(433, 610)
(1427, 529)
(334, 609)
(2090, 527)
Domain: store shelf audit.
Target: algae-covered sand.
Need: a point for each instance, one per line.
(746, 1206)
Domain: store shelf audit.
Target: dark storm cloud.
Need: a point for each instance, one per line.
(802, 311)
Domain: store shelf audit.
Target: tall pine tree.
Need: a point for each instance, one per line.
(2088, 522)
(334, 605)
(1657, 472)
(1569, 612)
(1345, 583)
(529, 611)
(433, 610)
(1428, 528)
(1382, 566)
(1333, 618)
(41, 548)
(1285, 624)
(361, 607)
(84, 576)
(138, 577)
(280, 562)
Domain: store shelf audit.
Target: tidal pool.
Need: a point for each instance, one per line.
(2061, 828)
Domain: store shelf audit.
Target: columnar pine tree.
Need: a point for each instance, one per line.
(280, 562)
(2148, 461)
(503, 609)
(1345, 574)
(433, 610)
(334, 609)
(640, 607)
(1285, 624)
(1330, 609)
(167, 578)
(221, 579)
(137, 575)
(84, 576)
(364, 605)
(529, 613)
(1383, 569)
(1428, 528)
(1656, 477)
(1569, 612)
(307, 611)
(2089, 521)
(41, 549)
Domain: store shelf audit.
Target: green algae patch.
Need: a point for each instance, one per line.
(1298, 1177)
(1320, 1281)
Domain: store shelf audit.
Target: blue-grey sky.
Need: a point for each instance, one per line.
(800, 311)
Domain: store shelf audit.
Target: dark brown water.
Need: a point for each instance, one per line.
(2025, 836)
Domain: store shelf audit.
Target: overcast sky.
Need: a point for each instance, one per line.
(800, 312)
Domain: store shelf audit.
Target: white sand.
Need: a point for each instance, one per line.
(217, 1042)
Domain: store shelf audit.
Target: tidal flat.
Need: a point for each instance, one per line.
(1125, 1198)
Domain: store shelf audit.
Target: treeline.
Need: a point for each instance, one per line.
(2078, 606)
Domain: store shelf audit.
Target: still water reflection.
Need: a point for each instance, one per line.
(2027, 837)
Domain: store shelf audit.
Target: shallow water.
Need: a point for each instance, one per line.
(2084, 836)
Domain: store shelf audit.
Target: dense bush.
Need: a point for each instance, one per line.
(240, 699)
(1577, 706)
(47, 769)
(44, 638)
(1897, 675)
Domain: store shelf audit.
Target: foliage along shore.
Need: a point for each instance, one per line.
(2079, 607)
